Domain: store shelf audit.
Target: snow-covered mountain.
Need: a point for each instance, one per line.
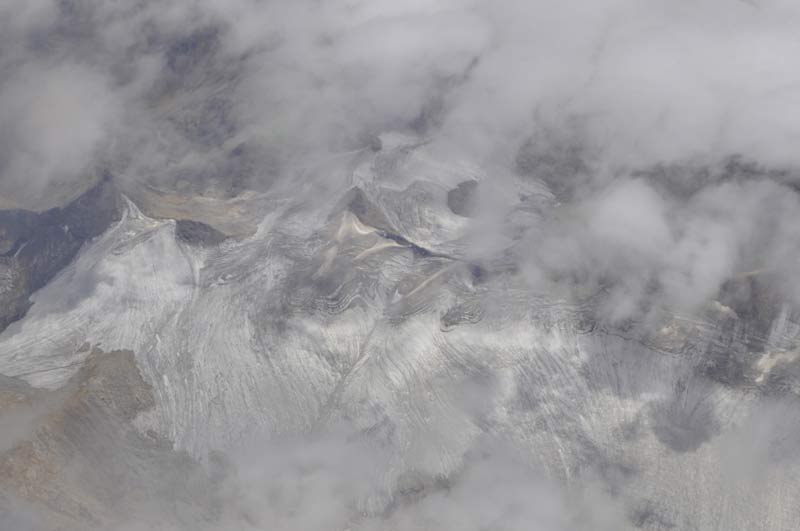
(371, 265)
(362, 315)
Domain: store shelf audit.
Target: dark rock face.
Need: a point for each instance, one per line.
(357, 202)
(198, 233)
(462, 198)
(14, 290)
(36, 246)
(16, 226)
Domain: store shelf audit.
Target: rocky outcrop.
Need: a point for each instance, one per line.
(73, 457)
(34, 247)
(462, 199)
(198, 233)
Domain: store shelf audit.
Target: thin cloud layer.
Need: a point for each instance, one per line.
(217, 99)
(648, 81)
(638, 154)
